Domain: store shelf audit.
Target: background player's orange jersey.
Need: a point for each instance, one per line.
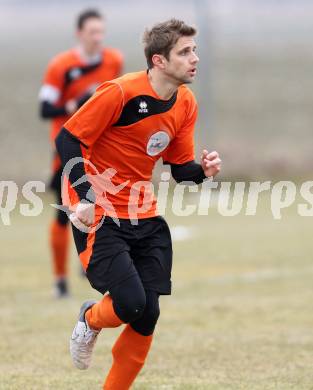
(68, 76)
(126, 126)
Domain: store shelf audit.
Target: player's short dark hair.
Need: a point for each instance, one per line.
(162, 37)
(87, 14)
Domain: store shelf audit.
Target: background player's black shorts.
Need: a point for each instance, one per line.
(55, 181)
(55, 185)
(118, 253)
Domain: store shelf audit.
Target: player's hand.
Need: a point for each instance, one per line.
(211, 163)
(84, 215)
(71, 106)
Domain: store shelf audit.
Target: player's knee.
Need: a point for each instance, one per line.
(131, 308)
(145, 325)
(129, 299)
(152, 314)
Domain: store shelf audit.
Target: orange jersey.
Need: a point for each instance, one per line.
(127, 127)
(68, 76)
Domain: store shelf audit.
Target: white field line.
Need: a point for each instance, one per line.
(181, 232)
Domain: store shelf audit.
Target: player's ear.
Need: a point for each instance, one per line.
(158, 61)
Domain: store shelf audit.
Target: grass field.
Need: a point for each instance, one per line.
(240, 316)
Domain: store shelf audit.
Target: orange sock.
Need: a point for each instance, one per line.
(59, 243)
(129, 354)
(102, 315)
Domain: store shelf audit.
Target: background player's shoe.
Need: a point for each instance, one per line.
(61, 288)
(83, 339)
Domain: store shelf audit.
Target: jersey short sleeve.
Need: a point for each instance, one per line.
(100, 112)
(53, 81)
(181, 148)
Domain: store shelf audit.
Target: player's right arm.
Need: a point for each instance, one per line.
(51, 92)
(80, 133)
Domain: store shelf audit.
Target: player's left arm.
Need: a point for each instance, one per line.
(180, 153)
(196, 173)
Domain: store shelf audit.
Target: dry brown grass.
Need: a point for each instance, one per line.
(240, 316)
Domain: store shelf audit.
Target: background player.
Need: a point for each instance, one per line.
(128, 125)
(71, 78)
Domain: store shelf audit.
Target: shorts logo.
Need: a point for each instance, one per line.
(157, 143)
(143, 107)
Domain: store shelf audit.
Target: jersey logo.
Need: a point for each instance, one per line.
(143, 107)
(157, 143)
(76, 72)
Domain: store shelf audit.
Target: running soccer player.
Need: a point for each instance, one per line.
(115, 140)
(71, 78)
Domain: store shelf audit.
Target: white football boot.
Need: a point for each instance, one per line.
(83, 339)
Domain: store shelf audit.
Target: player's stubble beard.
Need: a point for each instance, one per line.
(179, 80)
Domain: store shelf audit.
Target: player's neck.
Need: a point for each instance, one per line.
(88, 57)
(161, 84)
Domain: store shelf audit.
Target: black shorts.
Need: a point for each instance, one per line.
(55, 181)
(118, 253)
